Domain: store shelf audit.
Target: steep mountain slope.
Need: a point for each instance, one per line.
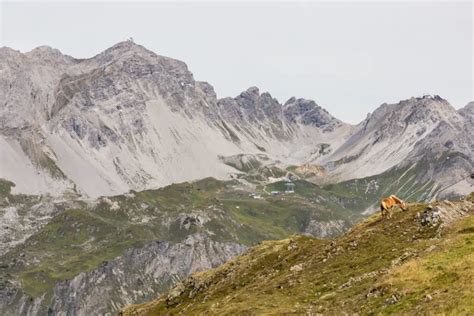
(420, 261)
(23, 215)
(130, 119)
(87, 257)
(388, 135)
(43, 235)
(289, 132)
(423, 135)
(139, 274)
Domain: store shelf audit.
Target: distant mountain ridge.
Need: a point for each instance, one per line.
(130, 119)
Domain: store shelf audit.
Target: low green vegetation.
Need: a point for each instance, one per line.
(74, 241)
(440, 280)
(82, 238)
(40, 158)
(381, 266)
(5, 188)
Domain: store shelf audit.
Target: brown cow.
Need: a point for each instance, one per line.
(387, 203)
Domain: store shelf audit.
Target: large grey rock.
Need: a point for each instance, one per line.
(138, 275)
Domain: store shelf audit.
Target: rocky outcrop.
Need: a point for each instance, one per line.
(21, 215)
(253, 109)
(310, 170)
(137, 275)
(326, 229)
(445, 212)
(307, 112)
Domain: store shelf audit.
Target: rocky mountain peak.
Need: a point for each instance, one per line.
(290, 101)
(428, 109)
(130, 54)
(468, 111)
(44, 50)
(468, 107)
(127, 47)
(48, 55)
(251, 100)
(6, 52)
(251, 91)
(308, 112)
(42, 55)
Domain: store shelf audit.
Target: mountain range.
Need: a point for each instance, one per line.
(128, 119)
(120, 176)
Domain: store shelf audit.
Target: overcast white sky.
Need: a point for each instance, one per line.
(348, 57)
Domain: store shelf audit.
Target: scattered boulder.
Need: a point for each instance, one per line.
(174, 294)
(394, 299)
(293, 245)
(445, 212)
(405, 256)
(297, 268)
(359, 278)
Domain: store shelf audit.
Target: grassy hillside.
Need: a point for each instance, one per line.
(420, 261)
(81, 235)
(82, 238)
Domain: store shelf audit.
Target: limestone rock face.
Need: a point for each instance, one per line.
(128, 118)
(307, 112)
(139, 275)
(419, 132)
